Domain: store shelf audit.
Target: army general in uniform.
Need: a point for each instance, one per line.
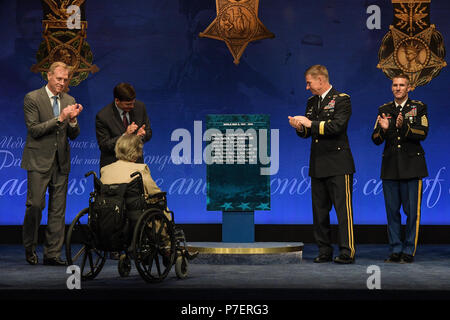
(331, 165)
(402, 124)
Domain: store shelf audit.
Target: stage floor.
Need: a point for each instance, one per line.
(427, 278)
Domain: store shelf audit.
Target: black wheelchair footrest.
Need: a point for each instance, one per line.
(190, 256)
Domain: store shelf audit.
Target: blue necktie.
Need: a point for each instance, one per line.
(55, 106)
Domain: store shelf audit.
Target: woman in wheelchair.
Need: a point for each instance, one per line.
(148, 234)
(128, 149)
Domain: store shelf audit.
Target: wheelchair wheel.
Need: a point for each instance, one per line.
(181, 267)
(154, 246)
(80, 247)
(124, 266)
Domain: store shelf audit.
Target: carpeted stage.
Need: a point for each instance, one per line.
(428, 278)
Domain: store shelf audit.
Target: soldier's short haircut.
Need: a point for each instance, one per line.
(124, 92)
(317, 70)
(403, 76)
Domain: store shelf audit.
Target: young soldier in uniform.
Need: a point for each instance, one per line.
(331, 165)
(402, 124)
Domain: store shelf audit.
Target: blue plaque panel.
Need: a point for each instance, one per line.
(236, 155)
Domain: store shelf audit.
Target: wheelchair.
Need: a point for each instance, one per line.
(137, 227)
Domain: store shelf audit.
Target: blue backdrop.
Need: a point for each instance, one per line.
(154, 45)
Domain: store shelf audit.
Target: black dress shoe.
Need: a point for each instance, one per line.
(54, 262)
(406, 258)
(321, 258)
(394, 258)
(31, 256)
(344, 259)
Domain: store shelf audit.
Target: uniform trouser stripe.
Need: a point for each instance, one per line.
(348, 203)
(406, 194)
(327, 192)
(419, 200)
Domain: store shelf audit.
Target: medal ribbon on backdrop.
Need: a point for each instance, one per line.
(413, 45)
(64, 39)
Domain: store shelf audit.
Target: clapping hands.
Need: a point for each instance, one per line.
(133, 127)
(298, 122)
(383, 120)
(70, 112)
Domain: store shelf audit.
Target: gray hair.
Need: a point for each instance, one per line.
(129, 147)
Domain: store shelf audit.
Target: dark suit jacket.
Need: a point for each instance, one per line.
(45, 137)
(109, 127)
(330, 149)
(403, 156)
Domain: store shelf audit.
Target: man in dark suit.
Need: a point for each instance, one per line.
(331, 165)
(402, 124)
(50, 117)
(124, 115)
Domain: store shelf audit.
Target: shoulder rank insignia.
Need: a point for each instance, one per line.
(424, 121)
(417, 102)
(386, 104)
(344, 95)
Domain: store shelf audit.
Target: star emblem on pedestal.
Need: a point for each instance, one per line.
(237, 24)
(227, 206)
(244, 206)
(263, 206)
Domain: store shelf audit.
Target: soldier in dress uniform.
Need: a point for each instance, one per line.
(402, 124)
(331, 165)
